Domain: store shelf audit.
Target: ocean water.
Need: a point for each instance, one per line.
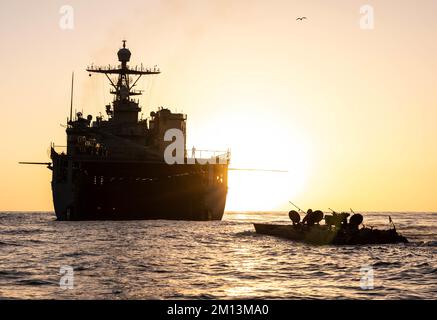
(208, 260)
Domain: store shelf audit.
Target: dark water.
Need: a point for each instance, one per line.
(201, 260)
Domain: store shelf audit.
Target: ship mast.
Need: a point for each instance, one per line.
(123, 106)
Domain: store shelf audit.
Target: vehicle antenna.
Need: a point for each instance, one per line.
(71, 98)
(296, 207)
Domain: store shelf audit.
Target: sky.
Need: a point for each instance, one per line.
(349, 112)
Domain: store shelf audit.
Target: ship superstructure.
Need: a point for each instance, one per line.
(114, 167)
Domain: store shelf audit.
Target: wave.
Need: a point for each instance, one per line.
(246, 234)
(427, 243)
(34, 282)
(13, 274)
(386, 263)
(225, 259)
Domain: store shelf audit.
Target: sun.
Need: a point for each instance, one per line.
(267, 190)
(260, 141)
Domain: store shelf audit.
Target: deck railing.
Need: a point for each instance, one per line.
(208, 154)
(222, 156)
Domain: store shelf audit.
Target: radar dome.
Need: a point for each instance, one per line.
(124, 53)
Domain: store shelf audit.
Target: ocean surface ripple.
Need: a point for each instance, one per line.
(208, 260)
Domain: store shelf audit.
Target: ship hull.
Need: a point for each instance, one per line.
(106, 190)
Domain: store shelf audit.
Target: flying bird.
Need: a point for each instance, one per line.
(301, 18)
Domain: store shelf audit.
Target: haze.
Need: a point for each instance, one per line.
(350, 113)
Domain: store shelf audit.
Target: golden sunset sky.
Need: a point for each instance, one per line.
(350, 113)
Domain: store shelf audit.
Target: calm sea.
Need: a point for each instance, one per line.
(208, 260)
